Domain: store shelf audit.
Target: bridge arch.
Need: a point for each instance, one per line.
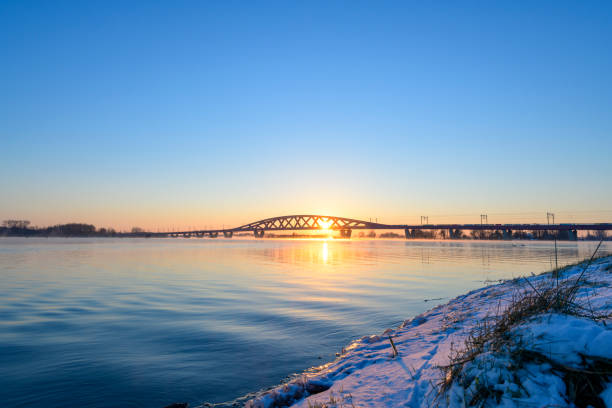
(307, 222)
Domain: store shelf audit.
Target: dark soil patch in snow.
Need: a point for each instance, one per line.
(583, 384)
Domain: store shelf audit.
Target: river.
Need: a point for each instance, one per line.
(146, 322)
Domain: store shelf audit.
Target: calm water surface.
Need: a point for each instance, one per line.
(143, 323)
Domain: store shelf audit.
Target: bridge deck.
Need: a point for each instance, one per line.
(321, 222)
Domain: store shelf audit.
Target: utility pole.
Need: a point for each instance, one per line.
(483, 220)
(550, 216)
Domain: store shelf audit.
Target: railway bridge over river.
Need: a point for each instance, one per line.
(345, 226)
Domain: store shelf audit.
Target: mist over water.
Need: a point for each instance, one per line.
(143, 323)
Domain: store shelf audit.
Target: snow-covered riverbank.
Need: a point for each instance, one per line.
(369, 374)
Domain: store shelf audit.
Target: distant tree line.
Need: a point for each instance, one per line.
(22, 228)
(19, 224)
(492, 235)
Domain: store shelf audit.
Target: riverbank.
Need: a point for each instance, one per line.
(535, 341)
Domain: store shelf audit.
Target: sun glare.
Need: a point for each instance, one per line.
(325, 224)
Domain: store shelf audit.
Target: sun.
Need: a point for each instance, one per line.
(325, 223)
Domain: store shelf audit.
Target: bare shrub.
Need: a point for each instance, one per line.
(493, 335)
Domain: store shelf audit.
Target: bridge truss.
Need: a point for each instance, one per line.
(307, 222)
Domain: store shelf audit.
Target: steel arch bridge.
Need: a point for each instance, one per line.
(308, 222)
(303, 222)
(311, 222)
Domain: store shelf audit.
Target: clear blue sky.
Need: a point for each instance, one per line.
(175, 113)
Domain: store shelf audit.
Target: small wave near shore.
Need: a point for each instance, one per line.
(435, 359)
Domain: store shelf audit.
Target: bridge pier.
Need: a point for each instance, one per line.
(214, 234)
(507, 234)
(459, 234)
(454, 233)
(228, 234)
(407, 233)
(572, 235)
(258, 233)
(346, 233)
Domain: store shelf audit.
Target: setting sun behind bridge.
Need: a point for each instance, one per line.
(325, 223)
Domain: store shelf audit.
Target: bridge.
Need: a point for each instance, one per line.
(345, 226)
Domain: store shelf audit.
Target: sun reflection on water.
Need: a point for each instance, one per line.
(325, 252)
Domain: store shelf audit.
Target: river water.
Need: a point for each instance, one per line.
(144, 323)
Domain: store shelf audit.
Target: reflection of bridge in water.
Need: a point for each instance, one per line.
(345, 226)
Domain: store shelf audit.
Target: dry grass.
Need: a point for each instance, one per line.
(552, 295)
(344, 400)
(583, 385)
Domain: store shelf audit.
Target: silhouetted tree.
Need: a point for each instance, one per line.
(21, 224)
(75, 229)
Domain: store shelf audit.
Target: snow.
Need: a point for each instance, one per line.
(606, 396)
(367, 374)
(565, 338)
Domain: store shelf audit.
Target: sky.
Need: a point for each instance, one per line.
(175, 114)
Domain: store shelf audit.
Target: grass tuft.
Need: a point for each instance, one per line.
(344, 400)
(493, 335)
